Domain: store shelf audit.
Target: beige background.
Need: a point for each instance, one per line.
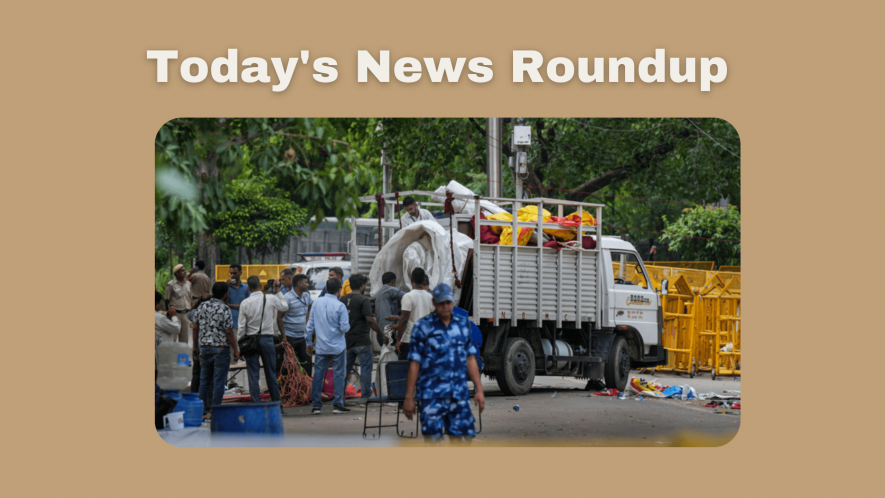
(80, 110)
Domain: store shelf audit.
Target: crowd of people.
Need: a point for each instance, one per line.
(232, 321)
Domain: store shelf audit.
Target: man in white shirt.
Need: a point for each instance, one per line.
(414, 212)
(257, 316)
(166, 326)
(417, 304)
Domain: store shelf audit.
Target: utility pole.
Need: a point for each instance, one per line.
(493, 160)
(519, 144)
(386, 179)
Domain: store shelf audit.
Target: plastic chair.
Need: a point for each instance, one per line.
(396, 373)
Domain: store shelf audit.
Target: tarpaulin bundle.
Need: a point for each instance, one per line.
(424, 244)
(380, 199)
(450, 210)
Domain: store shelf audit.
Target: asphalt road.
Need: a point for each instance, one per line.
(573, 417)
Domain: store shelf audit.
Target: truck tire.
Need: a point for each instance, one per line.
(617, 365)
(517, 372)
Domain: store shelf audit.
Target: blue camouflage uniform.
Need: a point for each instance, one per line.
(442, 392)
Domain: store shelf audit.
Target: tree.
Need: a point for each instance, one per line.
(630, 165)
(706, 234)
(196, 158)
(262, 218)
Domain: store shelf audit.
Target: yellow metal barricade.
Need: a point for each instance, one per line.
(679, 329)
(719, 321)
(263, 272)
(727, 352)
(695, 278)
(734, 269)
(724, 275)
(691, 265)
(707, 323)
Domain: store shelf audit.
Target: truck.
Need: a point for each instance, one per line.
(589, 314)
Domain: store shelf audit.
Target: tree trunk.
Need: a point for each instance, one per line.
(249, 255)
(207, 251)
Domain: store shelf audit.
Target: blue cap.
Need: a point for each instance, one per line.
(443, 293)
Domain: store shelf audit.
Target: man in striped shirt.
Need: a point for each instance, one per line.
(295, 319)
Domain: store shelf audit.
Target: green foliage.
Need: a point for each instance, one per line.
(325, 164)
(618, 162)
(262, 218)
(161, 278)
(722, 225)
(311, 158)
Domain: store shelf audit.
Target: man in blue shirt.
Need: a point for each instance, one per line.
(294, 321)
(237, 292)
(442, 355)
(329, 322)
(336, 272)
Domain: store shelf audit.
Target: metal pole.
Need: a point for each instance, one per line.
(493, 131)
(517, 180)
(386, 179)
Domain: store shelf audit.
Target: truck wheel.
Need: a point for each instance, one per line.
(617, 366)
(517, 371)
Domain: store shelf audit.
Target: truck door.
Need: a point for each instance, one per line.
(636, 302)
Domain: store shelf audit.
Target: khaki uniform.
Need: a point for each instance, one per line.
(200, 285)
(179, 295)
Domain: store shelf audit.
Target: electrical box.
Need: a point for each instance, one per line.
(522, 164)
(522, 135)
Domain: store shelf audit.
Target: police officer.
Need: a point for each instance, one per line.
(442, 355)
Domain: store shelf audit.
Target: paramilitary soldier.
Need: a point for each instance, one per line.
(442, 355)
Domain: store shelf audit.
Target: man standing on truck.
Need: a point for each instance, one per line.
(442, 356)
(415, 213)
(417, 304)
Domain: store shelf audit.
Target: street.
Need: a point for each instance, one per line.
(573, 417)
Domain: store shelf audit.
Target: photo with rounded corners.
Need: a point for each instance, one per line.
(447, 281)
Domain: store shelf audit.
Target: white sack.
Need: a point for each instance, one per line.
(464, 207)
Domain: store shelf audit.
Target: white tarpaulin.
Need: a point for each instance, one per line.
(464, 207)
(422, 243)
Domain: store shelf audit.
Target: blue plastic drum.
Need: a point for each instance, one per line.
(248, 418)
(192, 406)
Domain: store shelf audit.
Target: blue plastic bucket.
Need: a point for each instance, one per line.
(248, 418)
(192, 406)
